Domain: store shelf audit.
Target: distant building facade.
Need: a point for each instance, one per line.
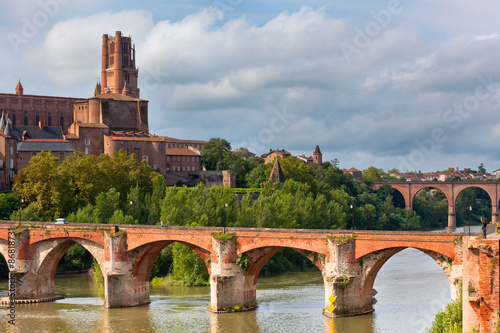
(317, 157)
(8, 153)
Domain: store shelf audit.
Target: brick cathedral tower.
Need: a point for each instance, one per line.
(118, 66)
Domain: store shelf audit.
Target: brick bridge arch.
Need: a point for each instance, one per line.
(40, 259)
(450, 189)
(259, 256)
(144, 247)
(371, 263)
(259, 252)
(146, 255)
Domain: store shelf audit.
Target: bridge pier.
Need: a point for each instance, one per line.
(344, 281)
(231, 285)
(480, 297)
(123, 290)
(452, 222)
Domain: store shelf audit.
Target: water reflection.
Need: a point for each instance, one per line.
(242, 322)
(363, 323)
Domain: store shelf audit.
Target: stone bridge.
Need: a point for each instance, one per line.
(450, 189)
(348, 261)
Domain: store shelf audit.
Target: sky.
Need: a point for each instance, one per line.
(391, 84)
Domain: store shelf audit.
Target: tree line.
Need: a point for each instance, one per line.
(123, 190)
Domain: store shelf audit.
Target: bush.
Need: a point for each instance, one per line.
(448, 320)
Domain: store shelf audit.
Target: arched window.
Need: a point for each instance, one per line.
(49, 119)
(13, 117)
(37, 117)
(61, 119)
(25, 117)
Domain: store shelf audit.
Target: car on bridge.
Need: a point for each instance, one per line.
(60, 221)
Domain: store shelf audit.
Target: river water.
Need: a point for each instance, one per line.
(411, 289)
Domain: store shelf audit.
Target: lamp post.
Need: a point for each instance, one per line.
(352, 216)
(225, 218)
(132, 208)
(20, 210)
(470, 216)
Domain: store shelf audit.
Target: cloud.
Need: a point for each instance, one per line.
(209, 74)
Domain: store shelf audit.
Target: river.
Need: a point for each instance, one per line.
(411, 289)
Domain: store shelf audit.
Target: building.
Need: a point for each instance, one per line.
(270, 156)
(183, 155)
(317, 157)
(8, 153)
(356, 174)
(114, 118)
(29, 110)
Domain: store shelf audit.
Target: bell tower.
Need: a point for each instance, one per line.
(118, 65)
(317, 156)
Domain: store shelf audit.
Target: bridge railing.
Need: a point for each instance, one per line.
(476, 229)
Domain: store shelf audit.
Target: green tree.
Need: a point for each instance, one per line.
(43, 187)
(216, 154)
(257, 176)
(106, 204)
(8, 203)
(372, 174)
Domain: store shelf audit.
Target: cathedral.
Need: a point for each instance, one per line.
(114, 118)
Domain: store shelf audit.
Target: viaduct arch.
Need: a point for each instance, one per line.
(450, 189)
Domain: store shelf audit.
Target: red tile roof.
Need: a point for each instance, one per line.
(181, 151)
(170, 140)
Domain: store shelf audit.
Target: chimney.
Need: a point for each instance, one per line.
(40, 125)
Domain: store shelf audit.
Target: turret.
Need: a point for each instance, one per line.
(104, 62)
(19, 88)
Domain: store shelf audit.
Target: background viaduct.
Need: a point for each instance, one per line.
(450, 189)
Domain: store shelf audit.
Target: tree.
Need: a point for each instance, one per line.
(8, 203)
(43, 187)
(372, 174)
(481, 168)
(106, 204)
(257, 176)
(216, 154)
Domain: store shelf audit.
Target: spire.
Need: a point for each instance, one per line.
(277, 174)
(6, 130)
(2, 122)
(97, 90)
(317, 151)
(19, 88)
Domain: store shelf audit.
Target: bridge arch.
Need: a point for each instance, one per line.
(52, 250)
(259, 256)
(371, 263)
(38, 263)
(146, 255)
